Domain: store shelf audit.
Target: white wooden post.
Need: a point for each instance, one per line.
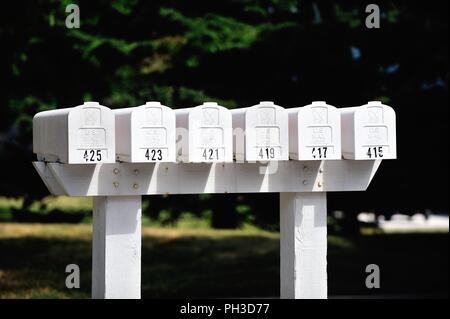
(303, 245)
(116, 247)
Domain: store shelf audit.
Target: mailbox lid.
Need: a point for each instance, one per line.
(315, 132)
(152, 133)
(266, 132)
(210, 135)
(91, 128)
(375, 131)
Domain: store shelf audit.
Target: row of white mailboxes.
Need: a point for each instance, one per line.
(92, 133)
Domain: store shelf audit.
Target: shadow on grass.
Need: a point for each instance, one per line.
(34, 267)
(241, 266)
(227, 266)
(411, 265)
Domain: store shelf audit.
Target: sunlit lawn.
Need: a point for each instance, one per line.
(183, 262)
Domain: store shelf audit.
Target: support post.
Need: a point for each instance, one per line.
(303, 245)
(116, 247)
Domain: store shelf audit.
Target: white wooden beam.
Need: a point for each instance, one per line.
(47, 177)
(303, 245)
(120, 179)
(116, 247)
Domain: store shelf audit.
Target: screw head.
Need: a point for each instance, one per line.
(135, 185)
(116, 184)
(136, 172)
(116, 171)
(305, 182)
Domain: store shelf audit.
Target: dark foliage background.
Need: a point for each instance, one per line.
(238, 53)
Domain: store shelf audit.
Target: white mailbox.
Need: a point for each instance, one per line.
(206, 134)
(145, 133)
(261, 133)
(79, 135)
(368, 132)
(315, 132)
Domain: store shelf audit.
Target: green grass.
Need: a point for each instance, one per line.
(186, 262)
(189, 259)
(69, 205)
(83, 205)
(51, 202)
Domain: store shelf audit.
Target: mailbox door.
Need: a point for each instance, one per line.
(91, 128)
(153, 133)
(375, 132)
(319, 132)
(210, 134)
(266, 129)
